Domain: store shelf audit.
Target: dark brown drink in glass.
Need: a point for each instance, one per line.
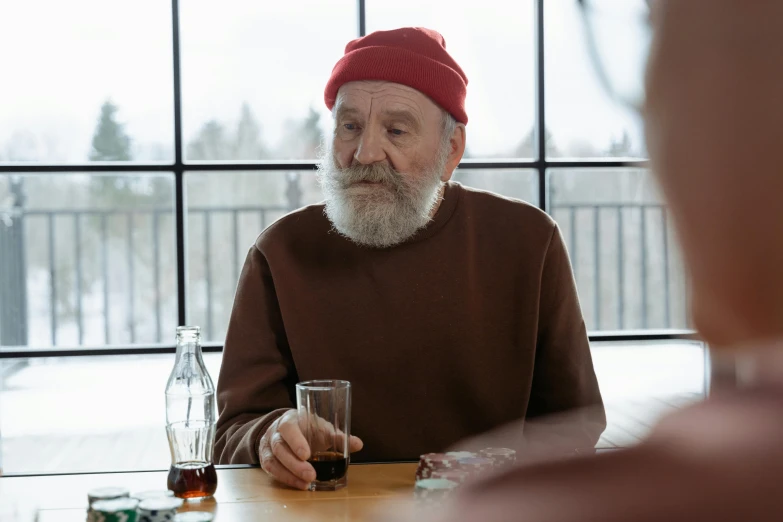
(193, 480)
(329, 465)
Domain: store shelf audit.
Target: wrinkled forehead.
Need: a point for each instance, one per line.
(372, 98)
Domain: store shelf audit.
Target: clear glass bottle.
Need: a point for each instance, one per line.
(190, 420)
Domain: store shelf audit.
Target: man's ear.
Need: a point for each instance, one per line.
(456, 150)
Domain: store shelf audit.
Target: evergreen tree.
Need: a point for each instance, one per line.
(622, 148)
(302, 137)
(211, 143)
(303, 141)
(247, 144)
(528, 147)
(110, 143)
(311, 134)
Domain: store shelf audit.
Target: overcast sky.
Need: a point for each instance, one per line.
(61, 60)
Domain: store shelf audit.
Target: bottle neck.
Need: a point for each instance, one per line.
(189, 348)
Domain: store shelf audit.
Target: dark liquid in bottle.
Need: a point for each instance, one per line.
(192, 480)
(329, 465)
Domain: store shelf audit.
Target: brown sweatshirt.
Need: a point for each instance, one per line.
(472, 323)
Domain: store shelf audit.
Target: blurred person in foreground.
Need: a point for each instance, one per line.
(714, 123)
(451, 310)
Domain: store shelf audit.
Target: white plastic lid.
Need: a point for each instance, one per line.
(114, 506)
(106, 493)
(153, 493)
(160, 504)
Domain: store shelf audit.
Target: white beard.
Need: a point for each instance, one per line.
(384, 214)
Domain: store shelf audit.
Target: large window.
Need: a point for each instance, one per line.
(144, 147)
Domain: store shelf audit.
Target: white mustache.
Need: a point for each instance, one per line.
(374, 173)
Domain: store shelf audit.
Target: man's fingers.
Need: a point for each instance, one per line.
(286, 457)
(263, 445)
(336, 440)
(322, 433)
(356, 444)
(292, 435)
(271, 465)
(326, 437)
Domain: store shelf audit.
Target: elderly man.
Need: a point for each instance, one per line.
(451, 311)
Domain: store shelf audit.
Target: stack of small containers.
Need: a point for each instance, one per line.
(117, 505)
(439, 474)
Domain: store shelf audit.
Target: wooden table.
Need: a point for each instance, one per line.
(242, 494)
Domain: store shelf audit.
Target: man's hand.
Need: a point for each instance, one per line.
(283, 452)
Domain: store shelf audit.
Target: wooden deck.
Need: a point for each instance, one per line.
(629, 422)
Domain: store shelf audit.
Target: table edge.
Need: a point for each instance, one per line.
(129, 471)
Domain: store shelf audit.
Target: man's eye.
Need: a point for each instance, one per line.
(350, 126)
(397, 132)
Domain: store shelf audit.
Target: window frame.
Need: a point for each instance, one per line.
(180, 169)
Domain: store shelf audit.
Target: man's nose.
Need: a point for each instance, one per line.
(370, 149)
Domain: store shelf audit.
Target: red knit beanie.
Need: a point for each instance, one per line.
(411, 56)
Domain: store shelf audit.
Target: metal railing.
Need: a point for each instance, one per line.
(602, 282)
(648, 224)
(14, 297)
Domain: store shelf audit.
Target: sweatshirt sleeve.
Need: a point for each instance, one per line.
(257, 377)
(565, 402)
